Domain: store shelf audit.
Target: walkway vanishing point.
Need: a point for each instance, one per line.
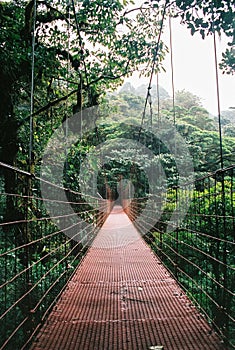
(122, 298)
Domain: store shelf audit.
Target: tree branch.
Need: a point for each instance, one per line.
(112, 77)
(49, 105)
(50, 17)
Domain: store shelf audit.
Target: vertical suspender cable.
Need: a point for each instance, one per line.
(67, 88)
(80, 43)
(158, 100)
(172, 69)
(154, 62)
(67, 112)
(224, 270)
(218, 100)
(83, 60)
(158, 120)
(172, 81)
(174, 121)
(32, 88)
(81, 87)
(28, 186)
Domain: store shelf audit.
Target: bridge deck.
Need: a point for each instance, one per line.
(121, 297)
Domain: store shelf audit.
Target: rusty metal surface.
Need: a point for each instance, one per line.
(121, 297)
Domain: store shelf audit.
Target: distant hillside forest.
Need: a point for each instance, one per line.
(199, 129)
(51, 70)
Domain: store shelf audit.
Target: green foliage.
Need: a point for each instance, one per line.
(79, 55)
(228, 61)
(200, 249)
(78, 58)
(198, 128)
(35, 264)
(207, 17)
(187, 100)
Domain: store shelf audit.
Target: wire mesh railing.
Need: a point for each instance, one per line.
(200, 249)
(38, 252)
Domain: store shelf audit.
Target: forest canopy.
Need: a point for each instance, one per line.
(82, 49)
(57, 60)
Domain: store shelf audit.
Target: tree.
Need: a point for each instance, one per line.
(208, 17)
(187, 100)
(80, 52)
(229, 130)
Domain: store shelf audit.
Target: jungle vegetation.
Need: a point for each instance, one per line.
(79, 53)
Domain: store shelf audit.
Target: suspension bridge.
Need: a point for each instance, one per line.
(141, 273)
(107, 286)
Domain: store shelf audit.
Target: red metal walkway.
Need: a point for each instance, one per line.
(121, 297)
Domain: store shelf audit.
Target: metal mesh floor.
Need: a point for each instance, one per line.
(121, 297)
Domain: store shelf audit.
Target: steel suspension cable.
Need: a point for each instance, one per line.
(67, 90)
(45, 256)
(158, 101)
(172, 69)
(154, 62)
(80, 43)
(218, 100)
(51, 305)
(31, 131)
(41, 279)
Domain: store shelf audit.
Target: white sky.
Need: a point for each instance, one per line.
(194, 68)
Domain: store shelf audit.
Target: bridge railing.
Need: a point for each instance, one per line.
(200, 249)
(38, 251)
